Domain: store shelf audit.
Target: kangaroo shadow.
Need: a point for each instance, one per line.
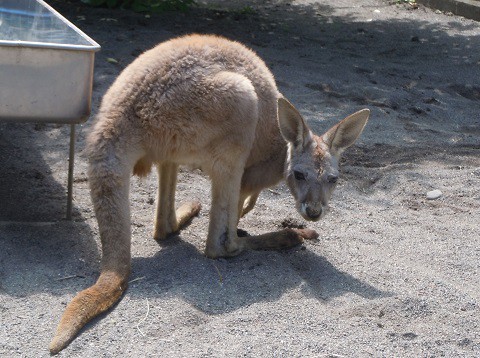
(225, 285)
(325, 281)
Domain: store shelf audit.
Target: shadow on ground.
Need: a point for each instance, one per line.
(40, 249)
(28, 190)
(224, 285)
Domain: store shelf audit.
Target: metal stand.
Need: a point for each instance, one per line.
(71, 159)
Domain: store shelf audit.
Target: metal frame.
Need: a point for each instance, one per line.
(75, 57)
(71, 163)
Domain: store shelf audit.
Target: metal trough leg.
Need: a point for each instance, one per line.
(71, 159)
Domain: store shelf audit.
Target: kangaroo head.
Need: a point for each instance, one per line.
(312, 161)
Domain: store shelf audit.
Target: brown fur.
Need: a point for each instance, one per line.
(211, 103)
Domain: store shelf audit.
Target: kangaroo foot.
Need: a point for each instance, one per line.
(184, 215)
(224, 247)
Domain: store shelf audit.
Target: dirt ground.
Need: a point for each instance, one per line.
(392, 275)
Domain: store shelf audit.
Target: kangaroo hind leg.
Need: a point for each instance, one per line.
(222, 232)
(167, 220)
(228, 155)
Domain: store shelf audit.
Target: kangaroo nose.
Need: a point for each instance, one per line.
(314, 214)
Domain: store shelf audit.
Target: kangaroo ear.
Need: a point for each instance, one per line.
(292, 126)
(346, 132)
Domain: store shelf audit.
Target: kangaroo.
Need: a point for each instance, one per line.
(211, 103)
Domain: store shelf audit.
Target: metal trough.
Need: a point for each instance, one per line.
(46, 69)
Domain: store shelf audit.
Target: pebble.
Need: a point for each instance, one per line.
(434, 194)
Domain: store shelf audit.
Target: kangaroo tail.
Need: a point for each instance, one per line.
(109, 178)
(86, 305)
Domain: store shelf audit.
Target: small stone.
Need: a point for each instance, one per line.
(111, 60)
(434, 194)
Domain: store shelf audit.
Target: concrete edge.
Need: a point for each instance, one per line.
(466, 8)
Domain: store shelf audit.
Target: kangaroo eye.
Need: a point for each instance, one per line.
(332, 178)
(298, 175)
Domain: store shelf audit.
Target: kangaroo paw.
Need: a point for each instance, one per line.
(307, 234)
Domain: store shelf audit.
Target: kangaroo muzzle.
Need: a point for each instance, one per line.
(311, 212)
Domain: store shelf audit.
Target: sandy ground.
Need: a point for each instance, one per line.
(393, 274)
